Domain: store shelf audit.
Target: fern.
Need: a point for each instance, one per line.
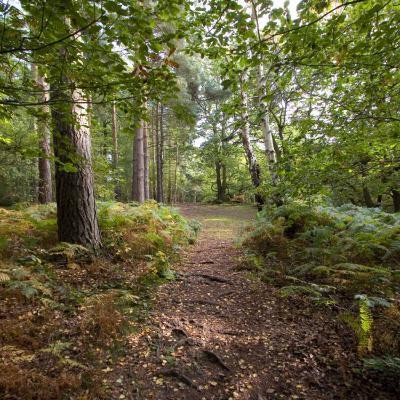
(387, 365)
(366, 322)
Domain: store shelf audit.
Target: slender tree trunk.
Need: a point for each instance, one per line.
(220, 190)
(146, 162)
(224, 182)
(169, 188)
(45, 190)
(138, 164)
(154, 155)
(115, 151)
(159, 151)
(254, 167)
(175, 196)
(268, 138)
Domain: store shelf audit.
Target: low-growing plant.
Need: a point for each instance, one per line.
(344, 255)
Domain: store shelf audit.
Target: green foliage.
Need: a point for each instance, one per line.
(386, 365)
(130, 230)
(331, 255)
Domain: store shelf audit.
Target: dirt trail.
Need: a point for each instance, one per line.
(217, 334)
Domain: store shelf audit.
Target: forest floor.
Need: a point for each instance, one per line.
(218, 333)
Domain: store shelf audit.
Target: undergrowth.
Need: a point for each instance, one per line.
(347, 258)
(67, 313)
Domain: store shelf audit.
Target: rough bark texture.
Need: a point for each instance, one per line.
(45, 189)
(76, 206)
(115, 154)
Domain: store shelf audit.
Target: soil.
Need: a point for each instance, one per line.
(218, 333)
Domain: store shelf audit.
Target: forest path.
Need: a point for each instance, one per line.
(215, 333)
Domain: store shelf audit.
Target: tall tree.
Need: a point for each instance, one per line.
(115, 150)
(254, 167)
(45, 187)
(159, 133)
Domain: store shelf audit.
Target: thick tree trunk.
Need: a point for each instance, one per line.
(115, 151)
(146, 162)
(159, 155)
(254, 167)
(76, 206)
(45, 190)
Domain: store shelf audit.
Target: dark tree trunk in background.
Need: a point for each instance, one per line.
(367, 197)
(115, 154)
(76, 206)
(146, 161)
(396, 200)
(221, 180)
(159, 154)
(45, 190)
(153, 155)
(138, 167)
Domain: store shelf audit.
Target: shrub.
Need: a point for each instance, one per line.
(348, 255)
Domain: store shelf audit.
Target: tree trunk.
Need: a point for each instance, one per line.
(175, 196)
(138, 166)
(154, 156)
(396, 200)
(45, 190)
(367, 197)
(76, 206)
(169, 187)
(220, 189)
(267, 134)
(146, 162)
(115, 154)
(159, 155)
(254, 167)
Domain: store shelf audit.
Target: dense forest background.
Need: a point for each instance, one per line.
(312, 100)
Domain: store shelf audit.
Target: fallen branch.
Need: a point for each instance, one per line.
(178, 375)
(214, 358)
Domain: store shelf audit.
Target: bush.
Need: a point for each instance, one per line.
(348, 255)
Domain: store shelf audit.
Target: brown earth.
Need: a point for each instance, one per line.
(218, 333)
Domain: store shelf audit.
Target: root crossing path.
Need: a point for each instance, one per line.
(218, 333)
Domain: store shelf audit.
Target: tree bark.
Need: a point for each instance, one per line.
(138, 167)
(76, 206)
(396, 200)
(254, 168)
(115, 151)
(154, 155)
(45, 189)
(159, 154)
(219, 179)
(146, 162)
